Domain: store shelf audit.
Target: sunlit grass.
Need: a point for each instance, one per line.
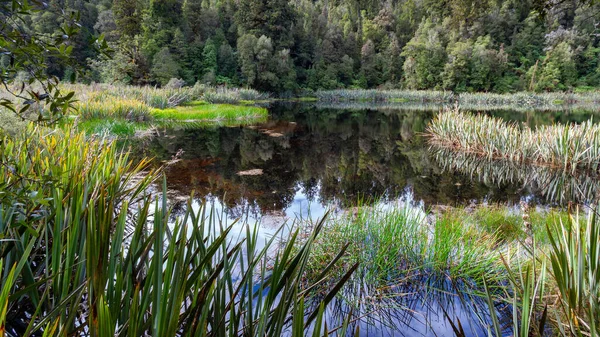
(207, 112)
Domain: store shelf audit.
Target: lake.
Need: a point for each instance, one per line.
(309, 158)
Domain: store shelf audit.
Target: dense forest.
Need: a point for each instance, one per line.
(293, 46)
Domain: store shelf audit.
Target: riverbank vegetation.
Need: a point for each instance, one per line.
(123, 110)
(528, 99)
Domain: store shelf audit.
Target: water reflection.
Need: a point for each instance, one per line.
(307, 159)
(555, 186)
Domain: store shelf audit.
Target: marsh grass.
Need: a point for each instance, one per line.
(570, 147)
(126, 109)
(210, 112)
(233, 96)
(343, 95)
(85, 251)
(399, 242)
(476, 100)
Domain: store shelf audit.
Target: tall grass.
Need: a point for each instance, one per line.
(129, 109)
(211, 112)
(233, 95)
(343, 95)
(399, 242)
(519, 99)
(85, 251)
(570, 147)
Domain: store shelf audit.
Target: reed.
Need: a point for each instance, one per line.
(344, 95)
(86, 251)
(570, 147)
(127, 109)
(398, 243)
(559, 284)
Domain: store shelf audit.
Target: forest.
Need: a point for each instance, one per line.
(292, 47)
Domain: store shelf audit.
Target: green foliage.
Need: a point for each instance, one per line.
(34, 53)
(165, 67)
(142, 274)
(425, 56)
(569, 147)
(285, 46)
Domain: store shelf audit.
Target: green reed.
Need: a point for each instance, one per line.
(233, 95)
(85, 250)
(344, 95)
(570, 147)
(399, 242)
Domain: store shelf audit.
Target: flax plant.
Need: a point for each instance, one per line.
(570, 147)
(85, 250)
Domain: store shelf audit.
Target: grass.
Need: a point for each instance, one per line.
(559, 286)
(518, 99)
(570, 147)
(111, 127)
(545, 264)
(233, 96)
(120, 110)
(399, 243)
(210, 112)
(343, 95)
(85, 250)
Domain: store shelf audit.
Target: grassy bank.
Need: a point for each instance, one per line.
(123, 110)
(87, 251)
(570, 147)
(202, 111)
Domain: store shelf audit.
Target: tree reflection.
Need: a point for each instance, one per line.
(328, 154)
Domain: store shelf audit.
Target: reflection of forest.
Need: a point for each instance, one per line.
(329, 154)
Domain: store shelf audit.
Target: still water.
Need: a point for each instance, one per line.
(308, 159)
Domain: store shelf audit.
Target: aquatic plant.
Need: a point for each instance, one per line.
(571, 147)
(127, 109)
(85, 250)
(397, 242)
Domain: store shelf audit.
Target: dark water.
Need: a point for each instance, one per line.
(325, 156)
(313, 158)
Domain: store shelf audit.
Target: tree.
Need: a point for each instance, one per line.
(209, 58)
(271, 18)
(425, 57)
(30, 53)
(164, 66)
(128, 16)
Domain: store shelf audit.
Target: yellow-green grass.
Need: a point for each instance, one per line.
(200, 111)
